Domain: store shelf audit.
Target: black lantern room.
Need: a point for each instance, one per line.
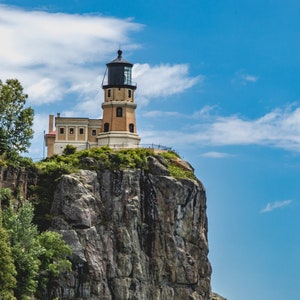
(119, 73)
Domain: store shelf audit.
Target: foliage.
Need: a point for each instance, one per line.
(53, 258)
(176, 170)
(50, 171)
(169, 155)
(180, 172)
(16, 121)
(56, 167)
(69, 149)
(3, 145)
(16, 161)
(103, 157)
(25, 249)
(2, 161)
(37, 257)
(7, 270)
(5, 196)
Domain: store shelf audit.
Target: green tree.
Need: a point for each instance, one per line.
(16, 121)
(53, 259)
(7, 269)
(25, 249)
(39, 258)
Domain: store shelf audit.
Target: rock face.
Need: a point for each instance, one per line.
(17, 180)
(135, 234)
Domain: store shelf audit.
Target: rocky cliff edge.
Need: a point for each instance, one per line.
(135, 234)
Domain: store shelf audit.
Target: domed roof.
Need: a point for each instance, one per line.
(120, 59)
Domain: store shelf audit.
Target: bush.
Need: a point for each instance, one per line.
(69, 149)
(176, 170)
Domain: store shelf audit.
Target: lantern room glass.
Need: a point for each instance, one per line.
(127, 75)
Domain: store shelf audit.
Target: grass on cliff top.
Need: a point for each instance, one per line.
(98, 158)
(176, 169)
(107, 158)
(95, 158)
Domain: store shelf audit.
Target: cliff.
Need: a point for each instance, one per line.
(135, 234)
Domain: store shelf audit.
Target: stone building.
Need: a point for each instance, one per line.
(117, 128)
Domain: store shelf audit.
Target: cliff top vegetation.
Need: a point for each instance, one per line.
(106, 158)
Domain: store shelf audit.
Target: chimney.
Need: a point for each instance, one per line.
(51, 118)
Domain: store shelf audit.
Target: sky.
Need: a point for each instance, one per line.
(217, 80)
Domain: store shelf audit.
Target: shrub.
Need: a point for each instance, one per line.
(176, 170)
(69, 149)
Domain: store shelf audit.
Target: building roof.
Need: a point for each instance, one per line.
(51, 133)
(120, 59)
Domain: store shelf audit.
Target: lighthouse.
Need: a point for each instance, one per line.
(118, 123)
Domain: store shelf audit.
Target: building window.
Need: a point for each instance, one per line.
(94, 132)
(61, 130)
(80, 130)
(131, 127)
(119, 112)
(71, 130)
(129, 93)
(106, 127)
(108, 93)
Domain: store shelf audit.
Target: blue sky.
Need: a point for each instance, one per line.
(217, 80)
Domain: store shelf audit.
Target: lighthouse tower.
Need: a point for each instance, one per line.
(118, 123)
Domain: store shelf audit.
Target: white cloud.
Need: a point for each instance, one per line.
(243, 78)
(162, 80)
(278, 128)
(250, 78)
(215, 154)
(203, 113)
(159, 113)
(46, 88)
(275, 205)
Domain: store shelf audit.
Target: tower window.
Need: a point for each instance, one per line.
(106, 127)
(131, 127)
(61, 130)
(127, 75)
(108, 93)
(119, 112)
(71, 130)
(129, 93)
(93, 132)
(80, 130)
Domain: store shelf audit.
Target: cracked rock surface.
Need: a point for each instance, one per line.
(134, 234)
